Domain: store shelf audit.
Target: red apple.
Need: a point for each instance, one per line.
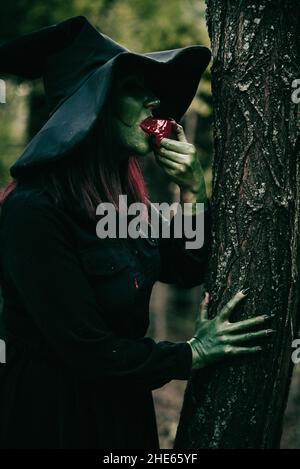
(160, 128)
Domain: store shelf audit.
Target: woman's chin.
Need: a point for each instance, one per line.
(141, 149)
(137, 145)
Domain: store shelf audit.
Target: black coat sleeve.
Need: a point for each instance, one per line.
(46, 273)
(180, 264)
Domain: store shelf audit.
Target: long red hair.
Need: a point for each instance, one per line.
(7, 190)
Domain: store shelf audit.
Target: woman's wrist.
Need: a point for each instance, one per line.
(197, 353)
(192, 198)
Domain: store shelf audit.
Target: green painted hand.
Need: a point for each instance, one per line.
(180, 161)
(218, 338)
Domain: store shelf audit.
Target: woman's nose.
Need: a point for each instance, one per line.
(152, 103)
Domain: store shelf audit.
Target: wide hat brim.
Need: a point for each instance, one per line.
(173, 74)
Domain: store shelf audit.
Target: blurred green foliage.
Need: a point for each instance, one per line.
(140, 25)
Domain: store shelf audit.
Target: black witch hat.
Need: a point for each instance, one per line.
(78, 66)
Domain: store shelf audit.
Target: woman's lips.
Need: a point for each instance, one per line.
(160, 128)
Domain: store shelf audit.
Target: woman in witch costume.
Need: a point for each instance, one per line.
(79, 370)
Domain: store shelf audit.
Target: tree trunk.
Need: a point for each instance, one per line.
(239, 403)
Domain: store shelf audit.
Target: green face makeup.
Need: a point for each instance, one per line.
(132, 102)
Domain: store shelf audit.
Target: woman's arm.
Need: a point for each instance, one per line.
(181, 265)
(180, 262)
(40, 262)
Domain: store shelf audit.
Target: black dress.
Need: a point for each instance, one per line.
(79, 370)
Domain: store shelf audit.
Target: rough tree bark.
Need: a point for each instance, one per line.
(239, 403)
